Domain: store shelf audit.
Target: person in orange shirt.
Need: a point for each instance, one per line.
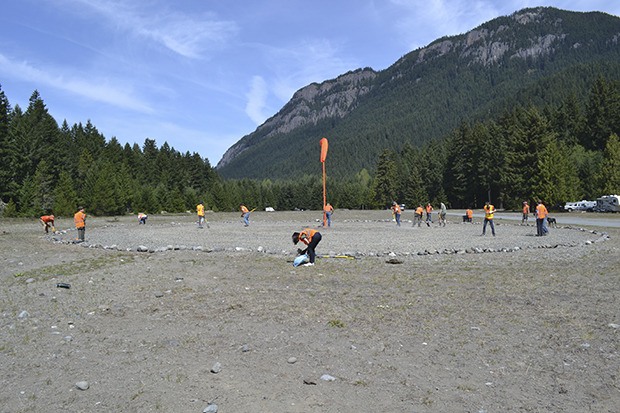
(311, 238)
(526, 212)
(396, 211)
(541, 217)
(80, 223)
(329, 210)
(429, 214)
(48, 222)
(417, 217)
(469, 215)
(245, 214)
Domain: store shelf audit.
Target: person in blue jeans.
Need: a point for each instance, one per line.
(396, 211)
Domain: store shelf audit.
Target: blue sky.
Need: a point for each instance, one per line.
(201, 74)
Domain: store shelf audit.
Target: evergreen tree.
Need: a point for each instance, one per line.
(384, 186)
(65, 196)
(609, 177)
(8, 152)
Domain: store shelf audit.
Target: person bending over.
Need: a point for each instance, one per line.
(311, 238)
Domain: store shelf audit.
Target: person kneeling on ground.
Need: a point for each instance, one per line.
(142, 217)
(311, 238)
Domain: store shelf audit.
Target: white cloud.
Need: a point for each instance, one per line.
(187, 35)
(256, 100)
(99, 90)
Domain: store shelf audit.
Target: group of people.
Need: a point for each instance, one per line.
(419, 212)
(311, 237)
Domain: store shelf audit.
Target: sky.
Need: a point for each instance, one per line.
(201, 74)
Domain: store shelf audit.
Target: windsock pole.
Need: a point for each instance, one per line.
(324, 145)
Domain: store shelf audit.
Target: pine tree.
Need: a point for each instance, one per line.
(384, 186)
(65, 196)
(610, 168)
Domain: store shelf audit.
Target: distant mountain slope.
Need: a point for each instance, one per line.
(536, 56)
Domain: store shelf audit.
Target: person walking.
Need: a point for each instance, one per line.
(489, 213)
(526, 212)
(329, 210)
(417, 215)
(429, 214)
(48, 222)
(541, 216)
(200, 210)
(443, 211)
(245, 214)
(311, 238)
(396, 210)
(80, 223)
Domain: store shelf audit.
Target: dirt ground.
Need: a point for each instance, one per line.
(220, 316)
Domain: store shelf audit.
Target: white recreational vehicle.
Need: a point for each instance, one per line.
(580, 206)
(608, 203)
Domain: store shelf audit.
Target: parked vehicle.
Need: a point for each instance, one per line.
(580, 206)
(608, 203)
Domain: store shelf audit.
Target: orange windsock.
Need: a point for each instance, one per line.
(324, 146)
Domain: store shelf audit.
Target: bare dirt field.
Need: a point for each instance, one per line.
(390, 319)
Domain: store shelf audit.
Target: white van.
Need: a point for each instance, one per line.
(580, 206)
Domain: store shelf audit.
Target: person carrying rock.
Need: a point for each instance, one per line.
(311, 238)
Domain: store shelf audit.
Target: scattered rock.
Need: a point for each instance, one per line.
(327, 377)
(82, 385)
(211, 408)
(217, 367)
(292, 360)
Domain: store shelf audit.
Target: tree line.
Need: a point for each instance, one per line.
(561, 153)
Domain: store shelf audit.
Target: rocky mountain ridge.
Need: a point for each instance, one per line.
(476, 67)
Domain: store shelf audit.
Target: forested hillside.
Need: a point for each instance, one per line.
(523, 107)
(536, 57)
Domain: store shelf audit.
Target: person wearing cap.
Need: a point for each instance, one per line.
(80, 223)
(48, 222)
(311, 238)
(526, 212)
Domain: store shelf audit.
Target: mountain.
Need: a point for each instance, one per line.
(536, 56)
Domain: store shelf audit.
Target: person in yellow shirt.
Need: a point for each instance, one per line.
(541, 217)
(489, 213)
(311, 238)
(200, 210)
